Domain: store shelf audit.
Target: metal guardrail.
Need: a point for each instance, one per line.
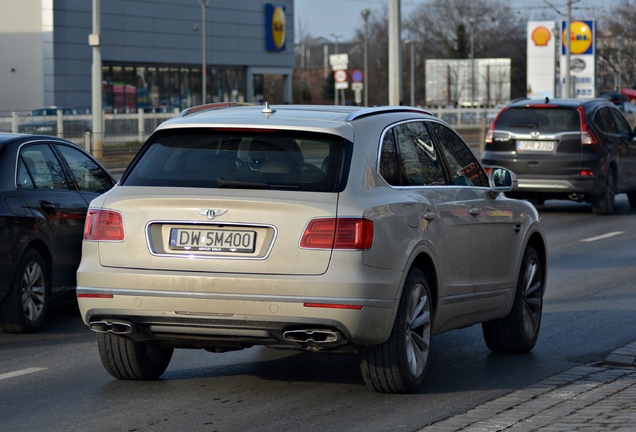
(124, 133)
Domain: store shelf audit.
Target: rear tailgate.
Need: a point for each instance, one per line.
(227, 231)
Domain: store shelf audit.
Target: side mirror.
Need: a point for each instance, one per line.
(502, 180)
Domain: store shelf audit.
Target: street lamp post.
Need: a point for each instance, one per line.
(619, 82)
(335, 89)
(204, 61)
(96, 82)
(365, 16)
(568, 50)
(471, 21)
(412, 73)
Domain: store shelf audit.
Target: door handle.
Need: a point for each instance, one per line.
(474, 211)
(47, 206)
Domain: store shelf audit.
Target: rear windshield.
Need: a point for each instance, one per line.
(209, 158)
(542, 119)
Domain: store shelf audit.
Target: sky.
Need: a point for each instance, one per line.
(342, 17)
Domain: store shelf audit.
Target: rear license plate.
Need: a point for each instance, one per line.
(212, 240)
(541, 146)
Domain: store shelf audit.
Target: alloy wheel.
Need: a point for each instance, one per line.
(33, 291)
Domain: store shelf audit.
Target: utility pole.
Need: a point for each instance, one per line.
(568, 41)
(395, 53)
(94, 40)
(567, 48)
(204, 52)
(365, 16)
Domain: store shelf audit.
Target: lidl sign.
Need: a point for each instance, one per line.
(581, 37)
(275, 27)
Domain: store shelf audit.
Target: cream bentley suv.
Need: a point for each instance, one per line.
(320, 228)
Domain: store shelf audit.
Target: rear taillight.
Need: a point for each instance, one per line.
(489, 136)
(338, 233)
(587, 137)
(103, 225)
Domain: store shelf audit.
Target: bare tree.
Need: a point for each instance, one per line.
(448, 29)
(617, 51)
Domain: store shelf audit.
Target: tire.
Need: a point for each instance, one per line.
(603, 204)
(24, 308)
(537, 201)
(518, 332)
(130, 360)
(631, 197)
(400, 364)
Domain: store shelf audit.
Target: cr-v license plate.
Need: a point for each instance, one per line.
(546, 146)
(212, 240)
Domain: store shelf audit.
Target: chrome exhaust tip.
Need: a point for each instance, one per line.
(113, 327)
(313, 336)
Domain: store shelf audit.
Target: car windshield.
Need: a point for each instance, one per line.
(542, 119)
(212, 158)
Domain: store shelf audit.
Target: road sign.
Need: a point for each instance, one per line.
(357, 76)
(339, 61)
(357, 86)
(340, 76)
(342, 85)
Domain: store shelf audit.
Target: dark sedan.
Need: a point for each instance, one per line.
(46, 184)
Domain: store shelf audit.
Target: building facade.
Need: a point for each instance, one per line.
(151, 50)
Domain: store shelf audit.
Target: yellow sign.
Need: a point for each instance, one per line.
(278, 27)
(581, 37)
(541, 36)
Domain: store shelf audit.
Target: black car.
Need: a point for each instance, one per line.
(44, 121)
(46, 186)
(582, 150)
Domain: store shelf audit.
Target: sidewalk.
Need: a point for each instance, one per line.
(594, 398)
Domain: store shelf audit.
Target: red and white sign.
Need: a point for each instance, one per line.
(340, 76)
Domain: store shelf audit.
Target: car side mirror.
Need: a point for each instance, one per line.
(502, 180)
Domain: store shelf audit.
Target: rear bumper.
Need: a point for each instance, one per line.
(559, 177)
(572, 185)
(235, 311)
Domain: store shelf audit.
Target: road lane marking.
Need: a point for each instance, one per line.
(20, 372)
(603, 236)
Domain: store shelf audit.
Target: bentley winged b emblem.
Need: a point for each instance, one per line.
(211, 213)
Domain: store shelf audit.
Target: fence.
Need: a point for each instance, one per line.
(122, 137)
(124, 133)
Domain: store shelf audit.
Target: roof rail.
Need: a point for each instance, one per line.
(385, 109)
(211, 106)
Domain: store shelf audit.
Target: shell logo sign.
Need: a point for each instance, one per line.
(275, 27)
(581, 38)
(541, 36)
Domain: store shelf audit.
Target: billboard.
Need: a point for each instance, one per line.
(582, 59)
(483, 82)
(541, 53)
(275, 27)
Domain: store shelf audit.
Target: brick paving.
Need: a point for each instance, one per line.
(594, 398)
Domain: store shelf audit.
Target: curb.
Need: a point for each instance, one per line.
(596, 398)
(622, 357)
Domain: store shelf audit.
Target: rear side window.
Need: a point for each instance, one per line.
(88, 175)
(604, 120)
(246, 160)
(541, 119)
(409, 158)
